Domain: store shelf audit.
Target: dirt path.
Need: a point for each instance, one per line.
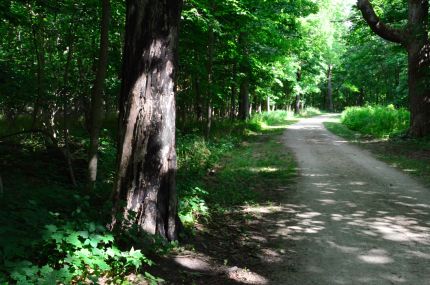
(352, 219)
(347, 219)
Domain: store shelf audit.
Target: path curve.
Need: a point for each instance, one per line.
(352, 219)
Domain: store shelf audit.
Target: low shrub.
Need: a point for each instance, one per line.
(376, 121)
(260, 121)
(65, 250)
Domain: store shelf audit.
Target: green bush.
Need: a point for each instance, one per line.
(260, 121)
(65, 251)
(310, 112)
(376, 121)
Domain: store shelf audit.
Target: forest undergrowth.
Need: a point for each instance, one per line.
(54, 231)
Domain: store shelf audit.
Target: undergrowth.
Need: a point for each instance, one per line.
(52, 233)
(259, 122)
(376, 121)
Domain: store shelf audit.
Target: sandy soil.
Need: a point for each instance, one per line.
(348, 219)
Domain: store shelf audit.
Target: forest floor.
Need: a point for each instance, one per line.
(346, 218)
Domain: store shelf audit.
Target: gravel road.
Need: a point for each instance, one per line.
(352, 219)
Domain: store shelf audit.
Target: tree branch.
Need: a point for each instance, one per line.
(378, 27)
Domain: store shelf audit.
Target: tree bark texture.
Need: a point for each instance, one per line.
(97, 96)
(414, 38)
(145, 190)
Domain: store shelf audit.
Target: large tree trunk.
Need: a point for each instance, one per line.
(146, 168)
(418, 68)
(329, 88)
(97, 96)
(415, 39)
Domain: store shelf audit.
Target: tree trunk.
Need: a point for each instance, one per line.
(244, 99)
(145, 189)
(418, 69)
(233, 93)
(64, 92)
(244, 84)
(40, 60)
(415, 39)
(97, 96)
(330, 88)
(198, 97)
(209, 68)
(360, 98)
(297, 103)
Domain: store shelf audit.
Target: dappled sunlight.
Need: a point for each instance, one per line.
(204, 264)
(263, 169)
(376, 256)
(368, 220)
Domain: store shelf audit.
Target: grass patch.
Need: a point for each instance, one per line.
(226, 172)
(376, 121)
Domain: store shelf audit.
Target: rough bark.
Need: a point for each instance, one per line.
(96, 116)
(330, 88)
(415, 39)
(146, 170)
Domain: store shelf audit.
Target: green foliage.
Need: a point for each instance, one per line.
(259, 122)
(310, 112)
(196, 157)
(74, 250)
(262, 121)
(192, 205)
(377, 121)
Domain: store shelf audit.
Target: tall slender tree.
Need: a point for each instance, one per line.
(414, 38)
(145, 184)
(97, 96)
